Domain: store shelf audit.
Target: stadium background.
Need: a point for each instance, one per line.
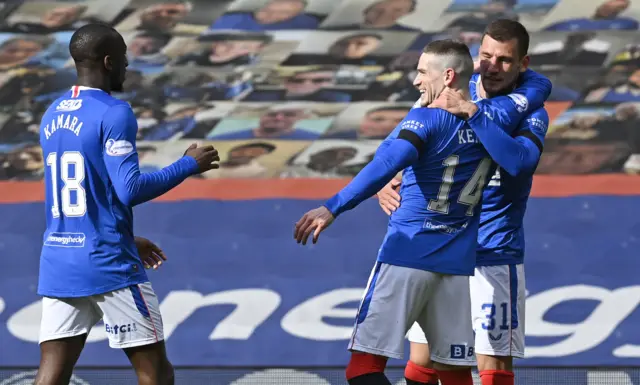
(242, 303)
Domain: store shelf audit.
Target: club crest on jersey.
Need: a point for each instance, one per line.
(69, 105)
(118, 147)
(521, 101)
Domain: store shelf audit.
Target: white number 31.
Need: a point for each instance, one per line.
(72, 183)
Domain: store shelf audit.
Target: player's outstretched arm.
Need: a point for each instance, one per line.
(385, 165)
(518, 154)
(119, 129)
(399, 154)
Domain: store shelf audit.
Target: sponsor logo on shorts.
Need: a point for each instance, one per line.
(120, 329)
(460, 352)
(65, 240)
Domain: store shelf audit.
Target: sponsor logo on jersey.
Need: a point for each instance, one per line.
(537, 123)
(65, 240)
(521, 101)
(118, 147)
(411, 125)
(69, 105)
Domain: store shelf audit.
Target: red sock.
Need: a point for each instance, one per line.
(497, 377)
(455, 377)
(365, 363)
(420, 374)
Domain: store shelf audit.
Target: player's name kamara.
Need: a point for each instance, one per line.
(467, 135)
(64, 121)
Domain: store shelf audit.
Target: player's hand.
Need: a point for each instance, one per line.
(205, 156)
(314, 221)
(388, 197)
(454, 102)
(150, 254)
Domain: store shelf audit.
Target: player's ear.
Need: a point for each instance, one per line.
(449, 77)
(524, 63)
(108, 63)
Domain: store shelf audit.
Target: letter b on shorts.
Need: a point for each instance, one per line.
(460, 352)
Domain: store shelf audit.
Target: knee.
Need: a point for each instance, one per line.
(365, 363)
(419, 354)
(494, 362)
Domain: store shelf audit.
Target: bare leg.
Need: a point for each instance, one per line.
(57, 359)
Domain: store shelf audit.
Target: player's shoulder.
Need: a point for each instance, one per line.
(540, 113)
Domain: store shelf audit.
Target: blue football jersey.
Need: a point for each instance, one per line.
(501, 239)
(92, 180)
(436, 226)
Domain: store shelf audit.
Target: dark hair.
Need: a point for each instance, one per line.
(503, 30)
(458, 53)
(447, 47)
(92, 42)
(267, 146)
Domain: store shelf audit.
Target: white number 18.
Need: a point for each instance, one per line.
(68, 158)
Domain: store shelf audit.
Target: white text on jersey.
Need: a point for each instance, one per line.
(466, 136)
(63, 121)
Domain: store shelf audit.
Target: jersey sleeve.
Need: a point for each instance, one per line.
(518, 154)
(119, 129)
(508, 111)
(399, 150)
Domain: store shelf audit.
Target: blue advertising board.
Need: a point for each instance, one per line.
(238, 291)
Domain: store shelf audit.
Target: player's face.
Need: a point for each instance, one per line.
(118, 70)
(222, 51)
(278, 11)
(280, 121)
(430, 78)
(308, 83)
(500, 65)
(379, 124)
(387, 12)
(356, 47)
